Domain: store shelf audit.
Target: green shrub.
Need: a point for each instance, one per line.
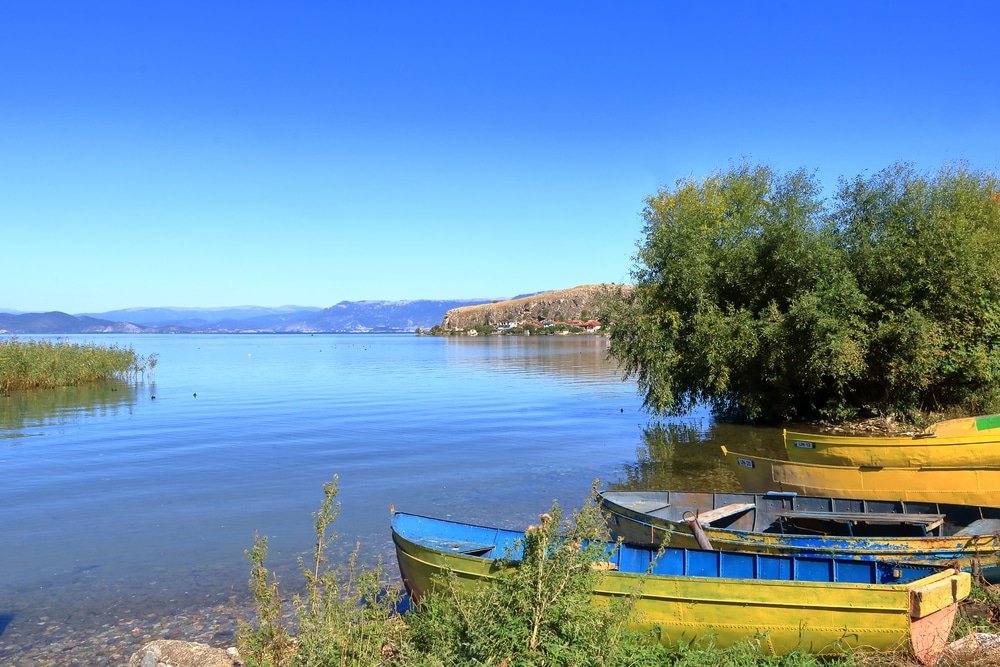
(266, 643)
(347, 615)
(756, 297)
(537, 613)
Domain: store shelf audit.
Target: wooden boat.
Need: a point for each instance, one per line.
(818, 604)
(952, 485)
(787, 523)
(970, 441)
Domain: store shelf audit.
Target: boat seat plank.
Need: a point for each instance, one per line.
(652, 509)
(458, 546)
(723, 512)
(980, 527)
(928, 521)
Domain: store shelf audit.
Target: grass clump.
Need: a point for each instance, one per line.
(36, 364)
(346, 616)
(980, 612)
(537, 613)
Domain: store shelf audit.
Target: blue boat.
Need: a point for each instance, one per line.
(819, 604)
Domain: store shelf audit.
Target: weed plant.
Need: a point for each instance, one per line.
(980, 612)
(539, 611)
(347, 615)
(36, 364)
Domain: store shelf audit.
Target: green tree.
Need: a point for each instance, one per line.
(925, 252)
(755, 298)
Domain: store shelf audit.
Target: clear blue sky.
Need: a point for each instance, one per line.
(225, 153)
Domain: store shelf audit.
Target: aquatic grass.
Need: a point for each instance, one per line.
(40, 364)
(35, 407)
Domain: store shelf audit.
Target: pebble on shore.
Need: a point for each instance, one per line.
(175, 653)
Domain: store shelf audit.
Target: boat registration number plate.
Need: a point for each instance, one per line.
(805, 444)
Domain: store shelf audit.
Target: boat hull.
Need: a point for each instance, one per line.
(950, 485)
(820, 618)
(649, 519)
(923, 450)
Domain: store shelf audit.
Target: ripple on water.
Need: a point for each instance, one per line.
(126, 518)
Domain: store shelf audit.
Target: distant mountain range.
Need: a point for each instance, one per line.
(344, 317)
(197, 317)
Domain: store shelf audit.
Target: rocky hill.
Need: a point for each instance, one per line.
(576, 303)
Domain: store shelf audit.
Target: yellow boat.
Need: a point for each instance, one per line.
(954, 485)
(970, 441)
(818, 604)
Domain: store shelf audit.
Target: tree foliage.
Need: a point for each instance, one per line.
(757, 296)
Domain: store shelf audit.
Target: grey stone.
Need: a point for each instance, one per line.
(174, 653)
(977, 644)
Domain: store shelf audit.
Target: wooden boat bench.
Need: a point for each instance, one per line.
(927, 521)
(459, 546)
(708, 516)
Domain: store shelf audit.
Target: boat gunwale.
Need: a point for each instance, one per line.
(947, 542)
(863, 468)
(938, 573)
(920, 439)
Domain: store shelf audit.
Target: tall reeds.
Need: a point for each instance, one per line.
(39, 364)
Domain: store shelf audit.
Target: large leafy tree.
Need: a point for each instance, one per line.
(751, 295)
(926, 253)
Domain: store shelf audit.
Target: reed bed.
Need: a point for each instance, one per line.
(38, 364)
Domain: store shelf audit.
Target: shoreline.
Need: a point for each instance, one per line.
(61, 644)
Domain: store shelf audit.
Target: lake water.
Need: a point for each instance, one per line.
(144, 496)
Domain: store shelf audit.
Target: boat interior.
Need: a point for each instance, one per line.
(789, 513)
(492, 543)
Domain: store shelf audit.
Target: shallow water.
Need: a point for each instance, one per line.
(131, 503)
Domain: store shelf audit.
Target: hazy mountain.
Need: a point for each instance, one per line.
(386, 315)
(346, 316)
(196, 317)
(61, 323)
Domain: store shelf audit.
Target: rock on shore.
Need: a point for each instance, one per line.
(174, 653)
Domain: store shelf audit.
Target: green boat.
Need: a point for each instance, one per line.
(819, 604)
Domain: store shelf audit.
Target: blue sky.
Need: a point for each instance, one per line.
(226, 153)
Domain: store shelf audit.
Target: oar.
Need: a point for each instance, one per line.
(699, 532)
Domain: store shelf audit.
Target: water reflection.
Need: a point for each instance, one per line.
(580, 358)
(685, 455)
(23, 411)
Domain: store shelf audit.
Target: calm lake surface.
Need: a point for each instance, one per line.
(144, 496)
